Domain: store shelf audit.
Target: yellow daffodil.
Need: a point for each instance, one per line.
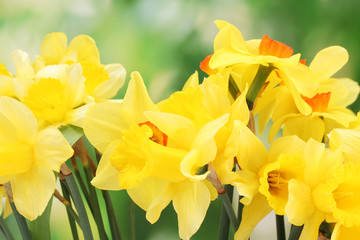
(245, 57)
(28, 157)
(57, 95)
(266, 178)
(328, 100)
(343, 233)
(102, 81)
(330, 190)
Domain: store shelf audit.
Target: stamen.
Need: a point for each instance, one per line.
(276, 181)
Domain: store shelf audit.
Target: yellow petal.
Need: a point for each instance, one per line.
(137, 100)
(252, 214)
(328, 61)
(85, 48)
(344, 233)
(21, 118)
(191, 203)
(51, 148)
(161, 201)
(305, 127)
(23, 65)
(311, 226)
(33, 190)
(6, 86)
(7, 130)
(229, 37)
(53, 47)
(103, 123)
(76, 116)
(300, 205)
(110, 88)
(107, 177)
(216, 102)
(249, 187)
(349, 140)
(286, 145)
(226, 57)
(193, 81)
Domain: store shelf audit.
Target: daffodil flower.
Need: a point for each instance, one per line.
(102, 81)
(28, 157)
(328, 100)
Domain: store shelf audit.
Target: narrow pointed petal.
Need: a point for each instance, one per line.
(107, 177)
(251, 216)
(110, 88)
(53, 47)
(191, 204)
(328, 61)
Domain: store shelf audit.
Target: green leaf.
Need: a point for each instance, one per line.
(40, 227)
(72, 133)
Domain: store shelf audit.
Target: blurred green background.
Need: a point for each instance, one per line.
(165, 41)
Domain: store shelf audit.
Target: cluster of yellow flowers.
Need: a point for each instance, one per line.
(185, 148)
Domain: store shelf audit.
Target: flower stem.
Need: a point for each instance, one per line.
(230, 211)
(233, 88)
(114, 226)
(295, 232)
(72, 216)
(24, 229)
(132, 220)
(258, 82)
(224, 218)
(6, 230)
(75, 194)
(280, 227)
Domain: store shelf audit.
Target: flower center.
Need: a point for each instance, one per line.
(47, 99)
(276, 181)
(273, 48)
(158, 136)
(319, 102)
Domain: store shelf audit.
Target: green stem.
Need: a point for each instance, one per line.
(95, 204)
(79, 205)
(40, 227)
(230, 211)
(72, 216)
(24, 229)
(132, 220)
(280, 227)
(295, 232)
(114, 226)
(6, 230)
(233, 88)
(259, 80)
(224, 218)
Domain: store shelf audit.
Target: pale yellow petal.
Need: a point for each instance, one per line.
(76, 116)
(216, 102)
(349, 141)
(75, 83)
(110, 88)
(252, 153)
(21, 117)
(328, 61)
(229, 37)
(51, 148)
(249, 187)
(107, 177)
(85, 48)
(300, 205)
(305, 127)
(191, 203)
(33, 190)
(103, 123)
(193, 81)
(7, 130)
(252, 214)
(165, 195)
(7, 87)
(311, 226)
(53, 47)
(137, 99)
(23, 65)
(226, 57)
(286, 145)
